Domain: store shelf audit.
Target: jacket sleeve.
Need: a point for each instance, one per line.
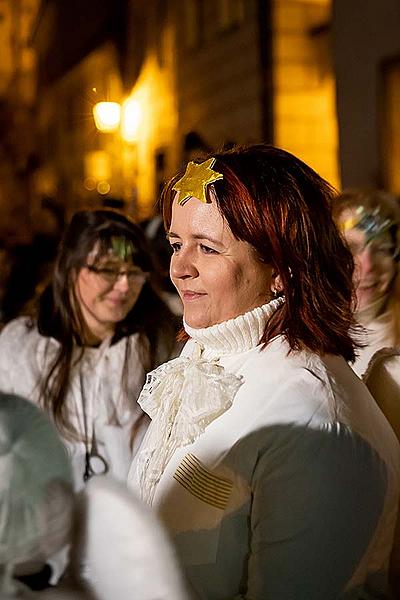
(17, 359)
(313, 513)
(383, 381)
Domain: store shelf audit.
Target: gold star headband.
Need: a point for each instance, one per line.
(195, 181)
(372, 223)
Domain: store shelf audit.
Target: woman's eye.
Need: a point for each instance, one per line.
(108, 272)
(207, 249)
(386, 250)
(176, 246)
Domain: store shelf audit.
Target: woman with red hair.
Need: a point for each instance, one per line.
(267, 458)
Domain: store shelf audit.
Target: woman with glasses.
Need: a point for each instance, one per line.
(100, 326)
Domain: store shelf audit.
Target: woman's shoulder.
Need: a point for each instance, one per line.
(383, 381)
(302, 385)
(20, 344)
(277, 356)
(18, 331)
(385, 360)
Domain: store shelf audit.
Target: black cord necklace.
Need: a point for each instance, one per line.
(95, 464)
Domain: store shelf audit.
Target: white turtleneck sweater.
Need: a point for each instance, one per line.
(275, 473)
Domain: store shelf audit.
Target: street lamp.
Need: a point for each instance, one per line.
(107, 116)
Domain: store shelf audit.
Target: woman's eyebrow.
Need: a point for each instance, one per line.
(196, 236)
(170, 234)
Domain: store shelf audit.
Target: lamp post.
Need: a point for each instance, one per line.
(125, 118)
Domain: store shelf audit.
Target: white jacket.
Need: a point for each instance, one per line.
(278, 476)
(25, 356)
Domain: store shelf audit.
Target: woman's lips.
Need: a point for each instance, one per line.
(189, 296)
(368, 286)
(117, 301)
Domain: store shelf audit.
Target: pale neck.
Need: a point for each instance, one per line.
(95, 332)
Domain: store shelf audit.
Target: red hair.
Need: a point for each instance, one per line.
(282, 208)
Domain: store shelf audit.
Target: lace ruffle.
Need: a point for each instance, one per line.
(182, 397)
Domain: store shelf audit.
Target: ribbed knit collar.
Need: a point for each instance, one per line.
(235, 335)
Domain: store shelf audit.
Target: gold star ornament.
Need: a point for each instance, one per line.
(195, 181)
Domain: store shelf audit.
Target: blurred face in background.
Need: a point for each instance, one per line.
(375, 266)
(107, 288)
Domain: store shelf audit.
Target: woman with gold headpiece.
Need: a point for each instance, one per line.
(99, 328)
(267, 458)
(370, 222)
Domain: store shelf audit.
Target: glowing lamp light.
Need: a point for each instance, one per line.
(130, 120)
(103, 187)
(107, 116)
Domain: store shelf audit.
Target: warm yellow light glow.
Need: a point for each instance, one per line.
(103, 187)
(97, 165)
(90, 184)
(107, 116)
(130, 120)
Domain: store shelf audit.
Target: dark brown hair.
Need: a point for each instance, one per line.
(282, 208)
(60, 317)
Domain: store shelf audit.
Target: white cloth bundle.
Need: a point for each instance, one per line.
(125, 549)
(36, 494)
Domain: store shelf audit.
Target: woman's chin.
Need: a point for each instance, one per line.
(198, 321)
(367, 297)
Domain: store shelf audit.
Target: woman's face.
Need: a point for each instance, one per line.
(107, 290)
(375, 267)
(217, 276)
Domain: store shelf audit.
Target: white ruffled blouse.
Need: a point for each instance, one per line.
(186, 394)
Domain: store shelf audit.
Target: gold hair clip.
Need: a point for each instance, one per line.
(348, 224)
(195, 181)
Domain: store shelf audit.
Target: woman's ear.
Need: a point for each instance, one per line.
(276, 284)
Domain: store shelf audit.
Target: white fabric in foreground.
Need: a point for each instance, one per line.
(126, 550)
(36, 495)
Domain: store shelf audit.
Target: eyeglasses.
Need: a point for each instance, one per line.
(134, 276)
(382, 248)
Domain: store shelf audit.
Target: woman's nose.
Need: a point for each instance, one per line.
(122, 283)
(182, 266)
(366, 261)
